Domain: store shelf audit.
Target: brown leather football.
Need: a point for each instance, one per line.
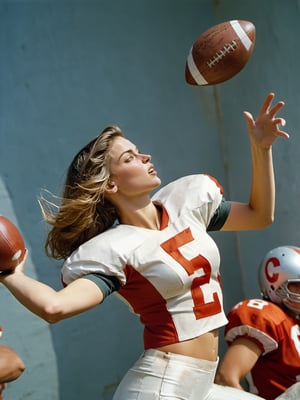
(220, 53)
(12, 247)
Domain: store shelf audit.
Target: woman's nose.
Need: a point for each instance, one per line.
(145, 158)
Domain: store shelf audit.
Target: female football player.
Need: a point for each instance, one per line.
(154, 252)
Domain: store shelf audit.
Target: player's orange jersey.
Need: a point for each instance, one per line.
(278, 336)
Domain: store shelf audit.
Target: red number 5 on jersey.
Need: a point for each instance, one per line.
(201, 308)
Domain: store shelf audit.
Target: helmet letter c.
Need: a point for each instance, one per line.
(275, 263)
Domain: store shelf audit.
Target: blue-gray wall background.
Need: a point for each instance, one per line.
(68, 69)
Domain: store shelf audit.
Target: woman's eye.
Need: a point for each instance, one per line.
(129, 158)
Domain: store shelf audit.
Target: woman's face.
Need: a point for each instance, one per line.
(131, 171)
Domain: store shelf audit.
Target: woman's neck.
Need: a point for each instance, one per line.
(147, 216)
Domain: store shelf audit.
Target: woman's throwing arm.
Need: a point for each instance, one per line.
(47, 303)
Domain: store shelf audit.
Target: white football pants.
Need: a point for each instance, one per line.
(292, 393)
(167, 376)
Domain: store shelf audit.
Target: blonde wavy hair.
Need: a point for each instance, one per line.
(83, 211)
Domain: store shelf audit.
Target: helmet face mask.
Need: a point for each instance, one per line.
(292, 300)
(279, 269)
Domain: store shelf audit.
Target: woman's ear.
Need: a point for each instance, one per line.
(111, 187)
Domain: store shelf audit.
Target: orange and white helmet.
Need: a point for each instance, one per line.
(278, 268)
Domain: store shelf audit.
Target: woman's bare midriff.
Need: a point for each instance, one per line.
(204, 347)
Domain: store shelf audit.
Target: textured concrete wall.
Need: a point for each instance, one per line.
(69, 68)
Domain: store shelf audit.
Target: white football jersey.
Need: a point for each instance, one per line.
(169, 277)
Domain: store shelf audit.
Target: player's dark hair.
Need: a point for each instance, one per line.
(83, 211)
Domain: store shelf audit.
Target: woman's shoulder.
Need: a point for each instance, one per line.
(116, 234)
(106, 253)
(201, 183)
(119, 240)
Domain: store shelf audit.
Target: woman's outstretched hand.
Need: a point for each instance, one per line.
(266, 128)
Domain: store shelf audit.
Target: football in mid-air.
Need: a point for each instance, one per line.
(12, 247)
(220, 53)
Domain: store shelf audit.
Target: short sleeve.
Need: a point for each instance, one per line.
(107, 284)
(256, 320)
(220, 216)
